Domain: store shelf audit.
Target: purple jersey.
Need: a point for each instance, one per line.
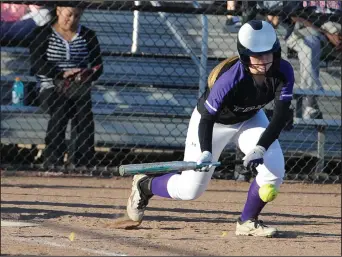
(235, 97)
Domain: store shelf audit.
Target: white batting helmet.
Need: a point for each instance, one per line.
(257, 37)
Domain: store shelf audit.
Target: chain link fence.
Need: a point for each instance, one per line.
(156, 57)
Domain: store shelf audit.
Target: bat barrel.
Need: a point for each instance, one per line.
(160, 167)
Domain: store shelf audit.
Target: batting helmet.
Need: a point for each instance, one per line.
(255, 38)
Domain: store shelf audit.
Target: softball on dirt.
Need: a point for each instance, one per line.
(72, 236)
(268, 193)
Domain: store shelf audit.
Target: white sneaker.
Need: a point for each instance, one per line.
(311, 113)
(137, 201)
(254, 228)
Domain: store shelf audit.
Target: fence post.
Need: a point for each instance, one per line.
(204, 53)
(320, 149)
(135, 36)
(177, 35)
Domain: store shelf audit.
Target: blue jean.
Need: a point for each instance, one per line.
(17, 33)
(307, 43)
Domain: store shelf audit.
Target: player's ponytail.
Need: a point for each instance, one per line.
(220, 69)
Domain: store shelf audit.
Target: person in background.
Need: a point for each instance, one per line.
(251, 9)
(232, 20)
(274, 6)
(18, 22)
(66, 57)
(323, 6)
(309, 41)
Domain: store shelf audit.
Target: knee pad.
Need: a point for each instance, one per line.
(268, 193)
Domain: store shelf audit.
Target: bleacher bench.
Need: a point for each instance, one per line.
(145, 102)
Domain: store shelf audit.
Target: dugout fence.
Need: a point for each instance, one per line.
(156, 58)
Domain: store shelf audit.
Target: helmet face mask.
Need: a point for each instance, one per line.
(257, 38)
(260, 69)
(260, 64)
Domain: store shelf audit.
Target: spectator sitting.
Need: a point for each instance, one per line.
(232, 20)
(307, 40)
(273, 6)
(65, 57)
(250, 11)
(18, 22)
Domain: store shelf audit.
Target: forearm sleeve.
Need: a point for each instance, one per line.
(205, 133)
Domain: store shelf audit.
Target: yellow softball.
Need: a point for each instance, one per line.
(268, 193)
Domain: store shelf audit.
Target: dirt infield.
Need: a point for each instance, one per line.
(308, 216)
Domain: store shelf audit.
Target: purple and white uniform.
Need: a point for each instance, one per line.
(231, 112)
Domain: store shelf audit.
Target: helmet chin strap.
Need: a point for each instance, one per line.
(247, 65)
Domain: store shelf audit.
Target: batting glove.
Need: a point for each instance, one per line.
(206, 157)
(254, 157)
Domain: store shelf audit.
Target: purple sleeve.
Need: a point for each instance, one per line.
(222, 86)
(286, 91)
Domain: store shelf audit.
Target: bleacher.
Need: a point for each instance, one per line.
(145, 100)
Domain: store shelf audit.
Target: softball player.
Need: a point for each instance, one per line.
(231, 111)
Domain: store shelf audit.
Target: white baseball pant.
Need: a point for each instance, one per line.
(191, 184)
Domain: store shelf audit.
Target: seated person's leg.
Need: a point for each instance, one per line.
(309, 57)
(17, 33)
(231, 19)
(249, 11)
(274, 20)
(307, 44)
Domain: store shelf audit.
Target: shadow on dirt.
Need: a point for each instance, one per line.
(118, 207)
(299, 234)
(28, 213)
(125, 188)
